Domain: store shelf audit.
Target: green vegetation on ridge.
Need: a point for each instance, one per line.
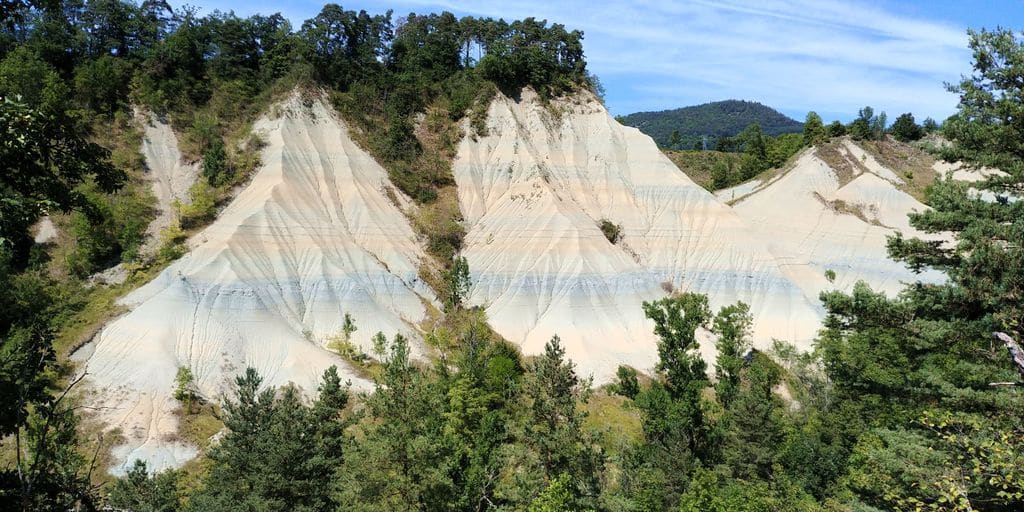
(685, 128)
(751, 152)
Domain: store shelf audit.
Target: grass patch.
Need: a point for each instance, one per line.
(199, 422)
(614, 419)
(835, 154)
(616, 425)
(700, 165)
(440, 223)
(364, 365)
(912, 164)
(857, 210)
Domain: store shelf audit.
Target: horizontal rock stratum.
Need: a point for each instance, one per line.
(320, 232)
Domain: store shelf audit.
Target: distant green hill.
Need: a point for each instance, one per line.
(717, 119)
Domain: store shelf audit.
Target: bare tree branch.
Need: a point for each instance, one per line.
(1013, 348)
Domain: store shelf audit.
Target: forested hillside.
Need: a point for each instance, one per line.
(909, 402)
(687, 127)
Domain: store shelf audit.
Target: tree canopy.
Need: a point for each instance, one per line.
(712, 120)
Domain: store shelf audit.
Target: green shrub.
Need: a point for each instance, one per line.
(111, 231)
(215, 164)
(172, 244)
(201, 209)
(626, 383)
(612, 231)
(203, 132)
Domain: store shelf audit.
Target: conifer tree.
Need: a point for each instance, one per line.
(814, 130)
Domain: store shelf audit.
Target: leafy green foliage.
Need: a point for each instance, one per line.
(138, 491)
(626, 383)
(47, 160)
(905, 129)
(732, 324)
(676, 320)
(836, 129)
(44, 160)
(114, 232)
(914, 371)
(529, 52)
(867, 125)
(215, 167)
(342, 46)
(710, 492)
(723, 168)
(184, 386)
(555, 432)
(443, 438)
(710, 169)
(26, 350)
(892, 410)
(49, 471)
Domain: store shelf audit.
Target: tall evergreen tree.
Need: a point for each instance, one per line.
(905, 129)
(554, 392)
(278, 451)
(814, 130)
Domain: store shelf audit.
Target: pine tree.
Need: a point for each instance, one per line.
(675, 140)
(555, 429)
(904, 129)
(814, 130)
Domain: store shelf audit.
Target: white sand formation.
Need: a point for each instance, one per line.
(534, 189)
(533, 192)
(168, 174)
(814, 222)
(313, 236)
(44, 231)
(959, 172)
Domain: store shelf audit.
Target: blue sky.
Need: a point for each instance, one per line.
(795, 55)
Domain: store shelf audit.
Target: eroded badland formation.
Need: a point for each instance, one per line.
(320, 231)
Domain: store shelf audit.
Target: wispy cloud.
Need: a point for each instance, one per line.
(796, 55)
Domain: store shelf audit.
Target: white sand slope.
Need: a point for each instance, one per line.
(958, 171)
(812, 222)
(313, 236)
(533, 192)
(169, 175)
(45, 231)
